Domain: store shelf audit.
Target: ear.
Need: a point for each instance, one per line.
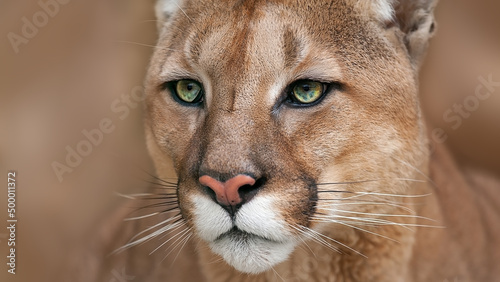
(164, 10)
(414, 18)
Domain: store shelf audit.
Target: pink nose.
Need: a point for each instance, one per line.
(227, 192)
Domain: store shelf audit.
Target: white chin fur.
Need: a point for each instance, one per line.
(210, 219)
(253, 254)
(266, 243)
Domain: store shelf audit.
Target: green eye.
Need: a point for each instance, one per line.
(307, 91)
(189, 91)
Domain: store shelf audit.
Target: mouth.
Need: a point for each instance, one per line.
(236, 234)
(253, 241)
(250, 253)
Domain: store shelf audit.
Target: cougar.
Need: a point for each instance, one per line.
(289, 145)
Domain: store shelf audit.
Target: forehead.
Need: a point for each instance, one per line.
(226, 44)
(234, 32)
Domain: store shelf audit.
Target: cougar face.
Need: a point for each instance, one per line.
(280, 118)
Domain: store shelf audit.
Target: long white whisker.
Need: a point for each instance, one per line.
(132, 196)
(416, 169)
(144, 45)
(333, 240)
(132, 242)
(134, 43)
(182, 10)
(156, 225)
(182, 243)
(383, 215)
(411, 180)
(152, 235)
(307, 245)
(277, 274)
(392, 195)
(364, 230)
(371, 221)
(366, 181)
(180, 233)
(317, 238)
(374, 203)
(141, 217)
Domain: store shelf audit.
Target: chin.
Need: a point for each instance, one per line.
(250, 253)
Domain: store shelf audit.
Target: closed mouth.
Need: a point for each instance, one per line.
(237, 234)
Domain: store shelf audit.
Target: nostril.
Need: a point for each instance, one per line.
(210, 192)
(247, 192)
(218, 188)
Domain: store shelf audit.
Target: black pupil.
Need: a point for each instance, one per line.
(306, 87)
(189, 86)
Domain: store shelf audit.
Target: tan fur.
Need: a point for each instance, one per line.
(370, 132)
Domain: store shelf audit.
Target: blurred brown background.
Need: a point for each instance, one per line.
(82, 60)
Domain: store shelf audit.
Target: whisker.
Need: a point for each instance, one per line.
(356, 201)
(367, 181)
(378, 222)
(316, 238)
(384, 215)
(334, 191)
(141, 217)
(277, 274)
(156, 225)
(411, 180)
(365, 203)
(132, 196)
(182, 243)
(215, 260)
(348, 182)
(160, 179)
(171, 186)
(303, 241)
(145, 45)
(161, 197)
(135, 43)
(161, 204)
(151, 214)
(392, 195)
(361, 229)
(335, 241)
(182, 10)
(170, 227)
(371, 221)
(361, 194)
(416, 169)
(178, 234)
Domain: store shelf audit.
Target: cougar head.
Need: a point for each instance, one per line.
(278, 118)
